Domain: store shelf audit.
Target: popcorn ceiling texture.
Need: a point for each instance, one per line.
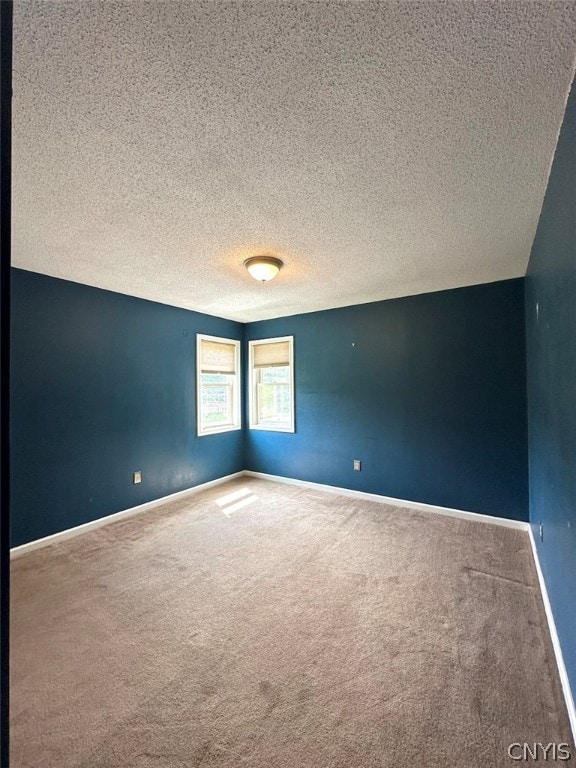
(381, 149)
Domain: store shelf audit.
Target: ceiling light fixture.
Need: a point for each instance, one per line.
(263, 268)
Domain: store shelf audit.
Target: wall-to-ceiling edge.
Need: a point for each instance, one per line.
(551, 382)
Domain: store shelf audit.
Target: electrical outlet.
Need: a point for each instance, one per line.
(357, 465)
(541, 531)
(137, 477)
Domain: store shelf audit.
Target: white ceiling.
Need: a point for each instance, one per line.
(381, 149)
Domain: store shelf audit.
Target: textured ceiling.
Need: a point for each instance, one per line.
(380, 148)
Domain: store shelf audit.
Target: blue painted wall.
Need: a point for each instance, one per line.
(104, 384)
(551, 358)
(432, 399)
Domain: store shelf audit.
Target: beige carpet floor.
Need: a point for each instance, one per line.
(281, 627)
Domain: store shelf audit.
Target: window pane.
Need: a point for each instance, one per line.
(273, 395)
(277, 375)
(215, 378)
(216, 399)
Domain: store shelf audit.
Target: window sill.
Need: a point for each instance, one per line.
(218, 430)
(267, 428)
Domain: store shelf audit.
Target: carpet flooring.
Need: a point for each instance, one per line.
(273, 626)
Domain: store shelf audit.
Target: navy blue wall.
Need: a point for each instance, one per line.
(551, 357)
(432, 399)
(104, 384)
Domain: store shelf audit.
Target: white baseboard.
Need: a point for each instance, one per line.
(24, 549)
(555, 641)
(55, 538)
(460, 513)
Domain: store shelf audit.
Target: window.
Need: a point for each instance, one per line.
(218, 384)
(272, 384)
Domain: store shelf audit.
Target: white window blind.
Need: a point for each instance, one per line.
(217, 357)
(268, 355)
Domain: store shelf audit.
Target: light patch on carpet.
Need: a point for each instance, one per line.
(240, 504)
(232, 502)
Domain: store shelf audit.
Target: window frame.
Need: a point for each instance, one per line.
(252, 397)
(236, 387)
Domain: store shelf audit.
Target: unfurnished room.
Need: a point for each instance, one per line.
(292, 384)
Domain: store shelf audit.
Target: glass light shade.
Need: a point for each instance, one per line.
(263, 268)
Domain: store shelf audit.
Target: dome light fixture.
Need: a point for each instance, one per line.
(263, 268)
